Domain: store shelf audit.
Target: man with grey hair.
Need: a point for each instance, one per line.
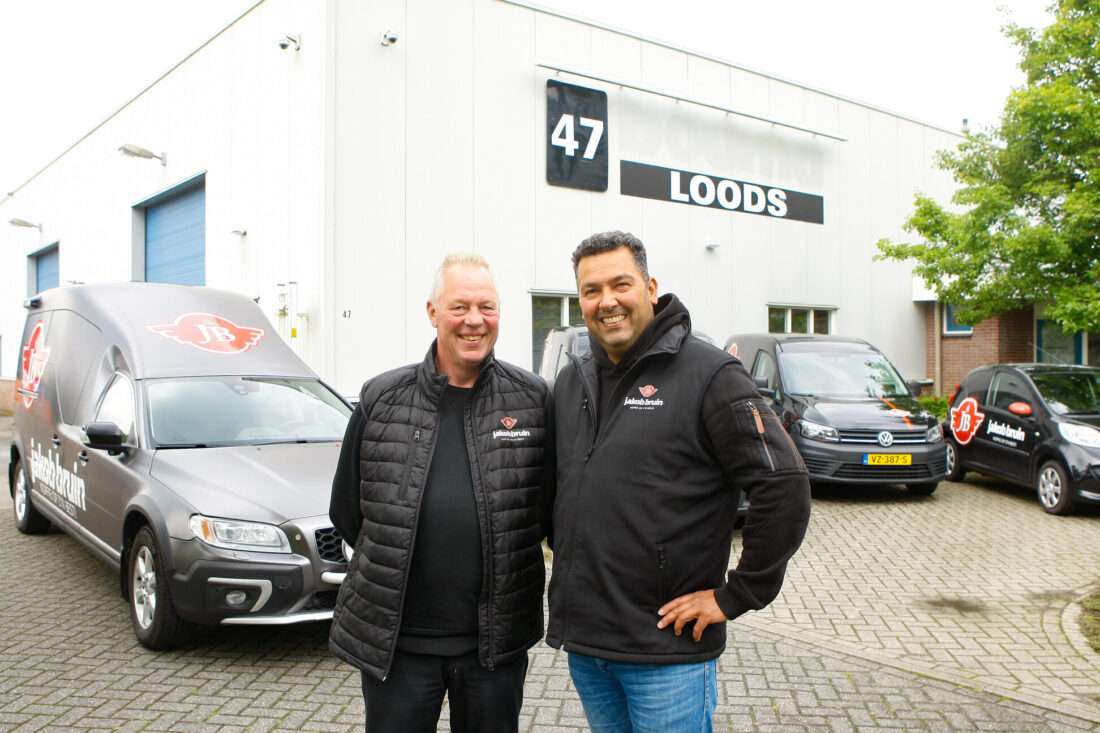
(439, 489)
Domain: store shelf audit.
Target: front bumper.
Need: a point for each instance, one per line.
(1084, 472)
(843, 462)
(212, 585)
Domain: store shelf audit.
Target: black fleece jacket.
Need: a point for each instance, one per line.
(647, 494)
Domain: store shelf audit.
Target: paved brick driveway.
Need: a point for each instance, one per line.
(946, 613)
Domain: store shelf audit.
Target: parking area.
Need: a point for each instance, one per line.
(942, 613)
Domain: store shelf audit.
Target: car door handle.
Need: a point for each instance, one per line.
(56, 441)
(83, 456)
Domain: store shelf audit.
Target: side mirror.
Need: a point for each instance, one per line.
(914, 387)
(762, 387)
(1020, 408)
(105, 436)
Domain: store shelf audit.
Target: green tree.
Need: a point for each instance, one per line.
(1025, 225)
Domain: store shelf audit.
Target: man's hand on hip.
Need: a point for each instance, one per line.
(699, 606)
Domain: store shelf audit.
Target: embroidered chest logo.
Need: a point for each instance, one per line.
(646, 401)
(508, 434)
(965, 420)
(209, 332)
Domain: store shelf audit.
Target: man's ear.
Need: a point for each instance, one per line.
(651, 286)
(431, 315)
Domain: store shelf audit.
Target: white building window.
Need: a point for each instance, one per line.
(800, 319)
(951, 327)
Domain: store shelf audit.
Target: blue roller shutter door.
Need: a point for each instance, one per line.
(47, 270)
(175, 239)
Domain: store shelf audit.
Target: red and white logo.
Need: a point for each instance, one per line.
(509, 422)
(35, 356)
(210, 333)
(732, 349)
(965, 420)
(648, 391)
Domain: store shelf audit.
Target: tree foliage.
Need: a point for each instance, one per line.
(1025, 224)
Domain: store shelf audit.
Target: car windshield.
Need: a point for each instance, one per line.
(1069, 392)
(220, 411)
(850, 374)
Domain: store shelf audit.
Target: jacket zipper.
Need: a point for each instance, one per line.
(761, 432)
(481, 501)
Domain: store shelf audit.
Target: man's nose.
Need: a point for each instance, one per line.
(608, 301)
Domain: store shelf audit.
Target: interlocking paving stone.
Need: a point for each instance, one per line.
(944, 613)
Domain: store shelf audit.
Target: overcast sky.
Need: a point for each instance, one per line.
(66, 65)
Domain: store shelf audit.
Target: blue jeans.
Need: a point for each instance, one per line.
(622, 697)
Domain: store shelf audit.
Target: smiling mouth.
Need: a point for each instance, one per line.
(612, 320)
(471, 339)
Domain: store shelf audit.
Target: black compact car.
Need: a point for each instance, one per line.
(852, 416)
(174, 436)
(1031, 424)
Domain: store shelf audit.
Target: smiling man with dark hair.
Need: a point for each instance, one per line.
(658, 434)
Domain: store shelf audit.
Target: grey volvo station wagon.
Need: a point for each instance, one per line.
(170, 432)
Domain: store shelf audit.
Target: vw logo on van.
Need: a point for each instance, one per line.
(885, 438)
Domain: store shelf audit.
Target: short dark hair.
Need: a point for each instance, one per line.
(610, 241)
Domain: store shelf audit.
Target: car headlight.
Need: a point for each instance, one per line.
(813, 431)
(1080, 434)
(235, 534)
(934, 434)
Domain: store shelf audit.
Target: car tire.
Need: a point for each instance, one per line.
(922, 489)
(152, 613)
(1052, 486)
(27, 518)
(955, 470)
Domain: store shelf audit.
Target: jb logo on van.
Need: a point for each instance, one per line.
(965, 420)
(35, 356)
(210, 333)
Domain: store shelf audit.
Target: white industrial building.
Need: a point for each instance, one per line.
(323, 155)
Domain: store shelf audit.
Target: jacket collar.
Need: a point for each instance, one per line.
(432, 382)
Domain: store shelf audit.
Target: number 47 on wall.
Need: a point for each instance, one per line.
(564, 136)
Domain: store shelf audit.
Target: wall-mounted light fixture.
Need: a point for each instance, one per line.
(713, 246)
(134, 151)
(388, 38)
(24, 223)
(239, 232)
(289, 40)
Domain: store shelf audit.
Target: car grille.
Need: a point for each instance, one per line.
(321, 601)
(887, 474)
(901, 437)
(329, 545)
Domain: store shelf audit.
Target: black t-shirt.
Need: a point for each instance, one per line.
(445, 577)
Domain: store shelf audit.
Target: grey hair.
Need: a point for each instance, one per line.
(456, 258)
(608, 242)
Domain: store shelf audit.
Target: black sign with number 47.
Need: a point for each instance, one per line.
(576, 136)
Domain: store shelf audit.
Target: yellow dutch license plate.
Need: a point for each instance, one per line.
(887, 459)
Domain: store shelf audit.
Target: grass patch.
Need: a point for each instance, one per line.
(1090, 620)
(936, 405)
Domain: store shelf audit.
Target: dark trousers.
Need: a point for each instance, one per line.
(411, 698)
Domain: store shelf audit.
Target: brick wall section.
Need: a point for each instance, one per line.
(994, 340)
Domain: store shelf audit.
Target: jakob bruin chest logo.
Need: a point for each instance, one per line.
(508, 434)
(646, 401)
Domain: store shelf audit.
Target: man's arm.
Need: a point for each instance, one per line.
(549, 475)
(343, 508)
(776, 481)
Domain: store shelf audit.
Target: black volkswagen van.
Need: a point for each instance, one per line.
(852, 416)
